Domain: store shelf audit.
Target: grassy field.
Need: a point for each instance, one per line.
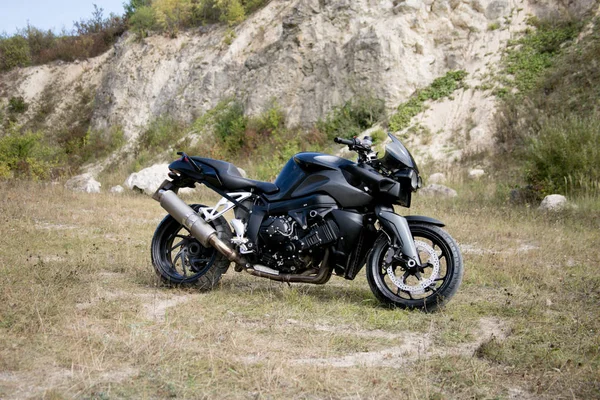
(82, 314)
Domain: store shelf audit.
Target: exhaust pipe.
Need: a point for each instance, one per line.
(322, 276)
(199, 229)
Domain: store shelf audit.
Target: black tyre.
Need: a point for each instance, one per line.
(179, 259)
(425, 288)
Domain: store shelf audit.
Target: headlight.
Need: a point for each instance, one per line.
(414, 180)
(408, 174)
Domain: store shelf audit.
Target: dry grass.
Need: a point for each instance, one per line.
(82, 315)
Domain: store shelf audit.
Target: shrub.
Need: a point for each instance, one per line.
(89, 38)
(142, 21)
(378, 136)
(353, 117)
(162, 133)
(14, 52)
(565, 155)
(101, 143)
(493, 26)
(27, 155)
(171, 15)
(232, 11)
(134, 5)
(40, 43)
(230, 126)
(252, 5)
(17, 105)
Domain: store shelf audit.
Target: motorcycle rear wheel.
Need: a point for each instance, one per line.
(179, 259)
(426, 289)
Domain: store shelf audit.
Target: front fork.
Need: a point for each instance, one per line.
(396, 227)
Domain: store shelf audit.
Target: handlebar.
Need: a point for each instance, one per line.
(355, 143)
(362, 147)
(348, 142)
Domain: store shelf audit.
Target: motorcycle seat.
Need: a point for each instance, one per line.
(232, 179)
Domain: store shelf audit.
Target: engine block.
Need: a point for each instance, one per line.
(286, 247)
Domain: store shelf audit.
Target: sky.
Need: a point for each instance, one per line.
(51, 14)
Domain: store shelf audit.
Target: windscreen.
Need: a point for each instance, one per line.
(400, 153)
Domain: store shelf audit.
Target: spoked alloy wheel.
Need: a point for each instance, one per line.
(427, 287)
(179, 258)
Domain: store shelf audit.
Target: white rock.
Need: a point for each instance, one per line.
(436, 190)
(441, 8)
(83, 183)
(496, 9)
(553, 202)
(438, 177)
(476, 173)
(187, 191)
(408, 6)
(148, 179)
(117, 189)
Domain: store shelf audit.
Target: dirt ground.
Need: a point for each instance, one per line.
(82, 314)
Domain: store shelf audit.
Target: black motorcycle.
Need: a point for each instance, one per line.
(323, 215)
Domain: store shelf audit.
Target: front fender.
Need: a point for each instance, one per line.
(413, 219)
(396, 227)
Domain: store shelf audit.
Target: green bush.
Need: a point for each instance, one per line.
(352, 118)
(32, 46)
(27, 155)
(134, 5)
(17, 105)
(101, 143)
(378, 136)
(170, 16)
(232, 11)
(14, 52)
(565, 156)
(230, 126)
(142, 21)
(162, 133)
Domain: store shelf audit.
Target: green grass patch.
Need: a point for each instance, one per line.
(440, 88)
(529, 57)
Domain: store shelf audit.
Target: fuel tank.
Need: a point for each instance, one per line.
(310, 173)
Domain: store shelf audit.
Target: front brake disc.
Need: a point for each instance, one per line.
(433, 260)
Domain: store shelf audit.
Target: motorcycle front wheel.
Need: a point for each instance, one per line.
(179, 259)
(426, 288)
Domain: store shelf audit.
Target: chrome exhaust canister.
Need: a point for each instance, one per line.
(199, 229)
